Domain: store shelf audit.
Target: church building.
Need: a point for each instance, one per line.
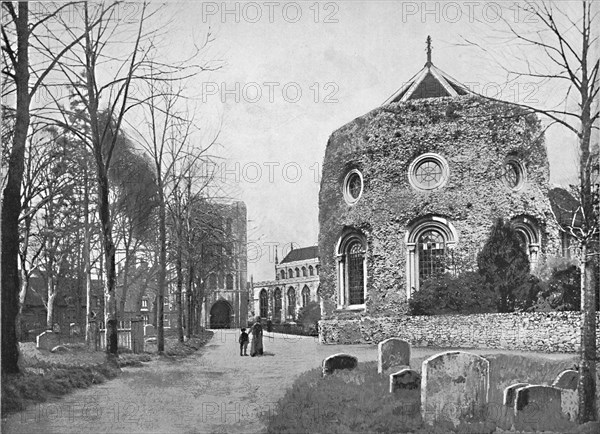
(413, 188)
(296, 284)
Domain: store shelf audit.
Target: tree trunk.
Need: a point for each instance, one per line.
(11, 203)
(89, 338)
(190, 299)
(179, 270)
(50, 306)
(587, 365)
(162, 270)
(110, 302)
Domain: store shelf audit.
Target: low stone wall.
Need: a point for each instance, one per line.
(539, 331)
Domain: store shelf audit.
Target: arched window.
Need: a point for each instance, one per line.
(431, 247)
(311, 270)
(282, 273)
(304, 272)
(305, 296)
(229, 282)
(527, 229)
(264, 303)
(351, 269)
(428, 242)
(317, 269)
(291, 302)
(277, 304)
(212, 281)
(297, 272)
(290, 274)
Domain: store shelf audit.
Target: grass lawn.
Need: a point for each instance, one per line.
(359, 401)
(45, 375)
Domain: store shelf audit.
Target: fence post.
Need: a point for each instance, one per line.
(137, 335)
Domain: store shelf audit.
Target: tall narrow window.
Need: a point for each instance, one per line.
(277, 304)
(264, 303)
(304, 272)
(356, 293)
(229, 282)
(305, 296)
(290, 274)
(292, 302)
(282, 273)
(311, 270)
(431, 247)
(297, 272)
(351, 269)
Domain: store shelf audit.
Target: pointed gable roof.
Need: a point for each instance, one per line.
(301, 254)
(429, 82)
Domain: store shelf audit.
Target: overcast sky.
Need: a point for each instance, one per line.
(295, 72)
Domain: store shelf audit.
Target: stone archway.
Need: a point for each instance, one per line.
(220, 315)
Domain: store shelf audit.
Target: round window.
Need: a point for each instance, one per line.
(513, 174)
(353, 186)
(428, 172)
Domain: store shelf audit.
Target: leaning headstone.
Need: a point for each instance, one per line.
(567, 380)
(59, 349)
(47, 340)
(454, 385)
(537, 408)
(510, 394)
(149, 330)
(405, 379)
(338, 361)
(392, 352)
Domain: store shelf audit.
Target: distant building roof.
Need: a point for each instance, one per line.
(301, 254)
(429, 82)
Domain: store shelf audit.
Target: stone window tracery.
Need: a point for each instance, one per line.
(291, 302)
(305, 296)
(513, 173)
(264, 303)
(351, 270)
(428, 243)
(277, 304)
(428, 172)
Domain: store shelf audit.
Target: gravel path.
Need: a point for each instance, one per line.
(213, 391)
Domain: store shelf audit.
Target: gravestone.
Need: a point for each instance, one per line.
(338, 361)
(405, 379)
(510, 393)
(392, 352)
(454, 385)
(59, 349)
(567, 380)
(537, 408)
(149, 330)
(47, 340)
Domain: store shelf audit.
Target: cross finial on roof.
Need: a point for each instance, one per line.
(428, 51)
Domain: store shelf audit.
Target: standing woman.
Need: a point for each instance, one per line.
(256, 347)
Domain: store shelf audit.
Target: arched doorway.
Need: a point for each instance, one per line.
(220, 315)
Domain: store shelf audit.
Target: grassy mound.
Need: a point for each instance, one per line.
(358, 401)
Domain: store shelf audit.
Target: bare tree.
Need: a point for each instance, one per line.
(18, 28)
(561, 35)
(169, 142)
